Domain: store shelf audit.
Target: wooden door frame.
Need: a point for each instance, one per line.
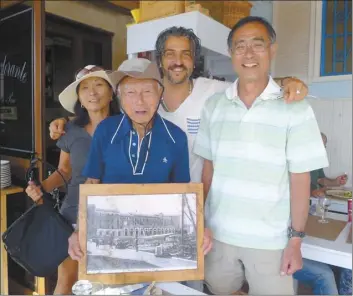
(39, 99)
(39, 81)
(39, 102)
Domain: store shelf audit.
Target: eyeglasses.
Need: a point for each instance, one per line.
(256, 46)
(84, 71)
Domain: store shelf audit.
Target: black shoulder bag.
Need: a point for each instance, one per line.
(38, 240)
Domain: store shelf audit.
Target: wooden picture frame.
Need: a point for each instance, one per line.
(98, 201)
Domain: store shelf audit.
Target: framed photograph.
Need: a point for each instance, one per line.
(134, 233)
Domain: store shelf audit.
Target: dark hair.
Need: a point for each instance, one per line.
(82, 117)
(180, 32)
(252, 19)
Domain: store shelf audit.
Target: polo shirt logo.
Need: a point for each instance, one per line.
(165, 160)
(193, 125)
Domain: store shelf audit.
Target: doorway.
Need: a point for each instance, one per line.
(69, 46)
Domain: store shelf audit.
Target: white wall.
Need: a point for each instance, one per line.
(296, 24)
(333, 108)
(335, 120)
(291, 20)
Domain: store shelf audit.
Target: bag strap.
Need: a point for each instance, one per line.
(32, 175)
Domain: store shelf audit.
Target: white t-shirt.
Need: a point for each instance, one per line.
(188, 115)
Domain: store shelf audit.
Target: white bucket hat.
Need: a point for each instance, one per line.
(68, 97)
(138, 68)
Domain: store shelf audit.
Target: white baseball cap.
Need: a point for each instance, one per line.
(138, 68)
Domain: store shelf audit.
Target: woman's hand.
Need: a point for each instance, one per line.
(34, 191)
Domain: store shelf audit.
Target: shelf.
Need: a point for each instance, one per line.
(142, 37)
(11, 190)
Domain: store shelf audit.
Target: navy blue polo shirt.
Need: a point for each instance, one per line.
(116, 156)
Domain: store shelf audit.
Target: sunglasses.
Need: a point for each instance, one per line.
(84, 71)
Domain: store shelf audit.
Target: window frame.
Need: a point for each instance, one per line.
(316, 35)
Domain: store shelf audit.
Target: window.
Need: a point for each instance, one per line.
(336, 41)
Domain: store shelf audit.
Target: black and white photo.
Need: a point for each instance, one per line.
(141, 233)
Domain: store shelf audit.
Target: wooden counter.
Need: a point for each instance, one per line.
(3, 226)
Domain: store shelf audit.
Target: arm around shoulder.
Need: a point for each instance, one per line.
(57, 127)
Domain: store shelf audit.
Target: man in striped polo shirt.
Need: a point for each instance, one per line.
(258, 153)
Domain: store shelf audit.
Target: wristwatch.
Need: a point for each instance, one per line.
(293, 233)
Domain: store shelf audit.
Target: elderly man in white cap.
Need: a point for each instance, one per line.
(122, 145)
(120, 151)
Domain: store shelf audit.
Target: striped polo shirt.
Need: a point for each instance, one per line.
(253, 151)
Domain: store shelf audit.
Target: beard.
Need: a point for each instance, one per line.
(177, 80)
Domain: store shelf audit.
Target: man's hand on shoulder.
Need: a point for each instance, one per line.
(293, 89)
(57, 128)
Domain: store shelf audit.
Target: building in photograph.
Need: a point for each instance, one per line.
(122, 240)
(115, 224)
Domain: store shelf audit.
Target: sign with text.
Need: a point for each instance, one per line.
(16, 81)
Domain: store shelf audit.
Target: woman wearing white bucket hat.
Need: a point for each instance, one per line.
(91, 97)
